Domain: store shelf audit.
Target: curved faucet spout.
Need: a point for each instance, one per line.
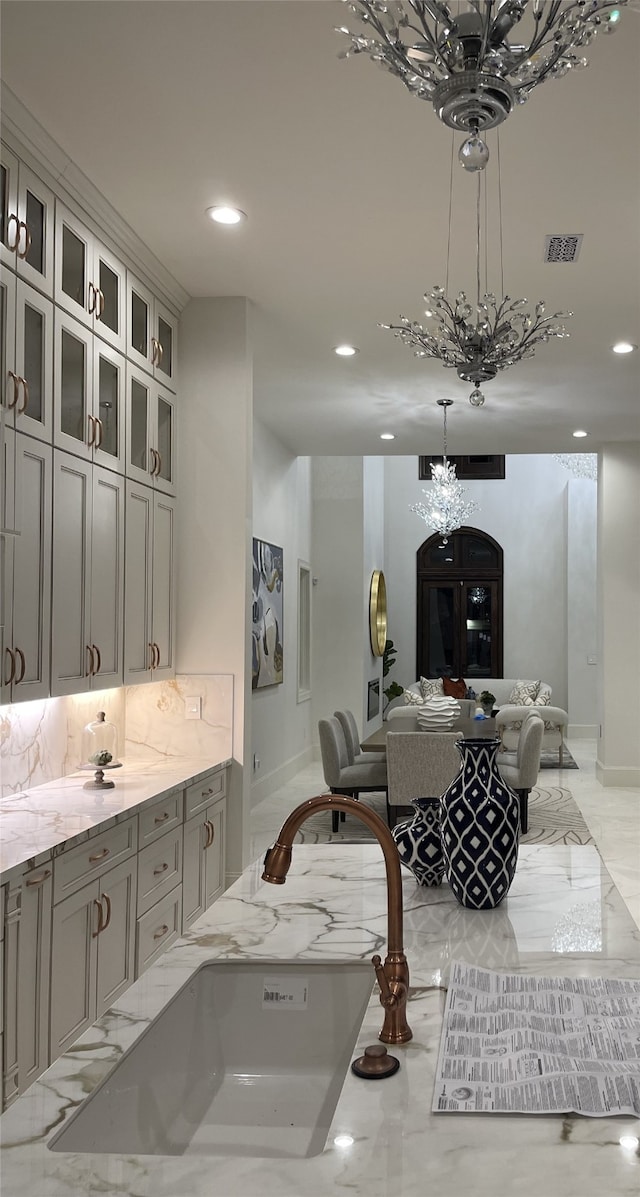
(393, 976)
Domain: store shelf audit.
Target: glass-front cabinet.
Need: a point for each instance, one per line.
(89, 395)
(150, 455)
(26, 355)
(151, 334)
(26, 223)
(459, 632)
(89, 279)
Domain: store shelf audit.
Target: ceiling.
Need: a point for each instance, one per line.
(171, 107)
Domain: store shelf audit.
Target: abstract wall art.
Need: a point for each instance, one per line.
(266, 632)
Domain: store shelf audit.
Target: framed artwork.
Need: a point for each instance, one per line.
(266, 614)
(373, 698)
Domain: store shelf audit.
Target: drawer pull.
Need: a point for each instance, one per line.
(161, 931)
(42, 877)
(162, 818)
(162, 869)
(99, 855)
(206, 793)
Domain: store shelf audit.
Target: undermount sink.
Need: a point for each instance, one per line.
(247, 1059)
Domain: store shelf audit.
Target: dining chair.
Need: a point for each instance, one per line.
(420, 765)
(347, 720)
(339, 775)
(520, 768)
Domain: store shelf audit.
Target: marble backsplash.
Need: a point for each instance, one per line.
(42, 740)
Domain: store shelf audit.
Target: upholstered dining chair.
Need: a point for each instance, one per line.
(347, 720)
(520, 768)
(420, 765)
(339, 775)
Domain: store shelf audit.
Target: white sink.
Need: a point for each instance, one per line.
(247, 1059)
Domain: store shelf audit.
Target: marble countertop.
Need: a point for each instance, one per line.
(563, 916)
(35, 822)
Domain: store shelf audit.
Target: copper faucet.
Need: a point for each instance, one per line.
(393, 975)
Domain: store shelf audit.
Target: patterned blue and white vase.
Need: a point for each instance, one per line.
(419, 844)
(480, 828)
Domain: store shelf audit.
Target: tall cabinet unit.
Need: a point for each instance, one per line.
(150, 585)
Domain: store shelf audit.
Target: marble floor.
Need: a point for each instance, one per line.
(612, 816)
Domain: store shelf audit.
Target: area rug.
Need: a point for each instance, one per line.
(554, 818)
(549, 760)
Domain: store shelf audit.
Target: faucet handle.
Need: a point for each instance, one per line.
(387, 998)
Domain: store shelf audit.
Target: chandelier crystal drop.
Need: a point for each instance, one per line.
(446, 508)
(581, 465)
(475, 61)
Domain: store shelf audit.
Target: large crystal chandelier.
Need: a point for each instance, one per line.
(581, 465)
(446, 508)
(479, 335)
(475, 61)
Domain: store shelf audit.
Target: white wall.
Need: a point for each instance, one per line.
(281, 727)
(582, 497)
(526, 514)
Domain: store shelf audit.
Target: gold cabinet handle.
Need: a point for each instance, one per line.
(8, 680)
(159, 456)
(161, 931)
(98, 655)
(23, 227)
(25, 397)
(163, 868)
(98, 903)
(99, 303)
(100, 432)
(93, 295)
(90, 670)
(211, 832)
(16, 380)
(157, 648)
(107, 919)
(163, 817)
(11, 219)
(40, 879)
(160, 353)
(153, 656)
(91, 420)
(154, 462)
(23, 665)
(99, 855)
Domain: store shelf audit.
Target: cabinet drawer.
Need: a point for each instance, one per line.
(159, 869)
(157, 929)
(159, 817)
(199, 795)
(72, 869)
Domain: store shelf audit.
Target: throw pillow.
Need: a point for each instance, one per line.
(524, 693)
(431, 687)
(543, 698)
(412, 699)
(454, 689)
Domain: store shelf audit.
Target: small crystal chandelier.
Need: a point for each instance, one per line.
(479, 337)
(464, 59)
(446, 508)
(581, 465)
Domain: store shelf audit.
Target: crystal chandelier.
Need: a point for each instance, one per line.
(481, 335)
(476, 60)
(446, 508)
(581, 465)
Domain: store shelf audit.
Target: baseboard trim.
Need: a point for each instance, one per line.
(582, 731)
(620, 776)
(278, 777)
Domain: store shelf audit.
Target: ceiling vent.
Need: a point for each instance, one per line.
(562, 247)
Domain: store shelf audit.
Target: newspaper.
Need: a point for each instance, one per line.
(521, 1044)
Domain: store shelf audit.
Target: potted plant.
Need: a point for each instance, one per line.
(486, 700)
(394, 689)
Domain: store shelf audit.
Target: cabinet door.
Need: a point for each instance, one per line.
(109, 398)
(7, 544)
(34, 251)
(74, 426)
(141, 342)
(10, 392)
(117, 939)
(109, 280)
(214, 853)
(163, 441)
(163, 621)
(9, 219)
(33, 975)
(30, 638)
(107, 578)
(164, 353)
(193, 870)
(74, 287)
(34, 362)
(138, 651)
(73, 966)
(140, 464)
(72, 660)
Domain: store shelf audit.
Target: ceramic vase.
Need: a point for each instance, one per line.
(438, 713)
(480, 828)
(419, 843)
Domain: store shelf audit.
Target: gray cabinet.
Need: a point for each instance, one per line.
(152, 333)
(26, 223)
(26, 353)
(203, 866)
(151, 431)
(89, 279)
(27, 953)
(150, 585)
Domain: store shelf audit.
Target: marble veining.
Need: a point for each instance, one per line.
(333, 907)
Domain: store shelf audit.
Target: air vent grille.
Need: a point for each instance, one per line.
(562, 247)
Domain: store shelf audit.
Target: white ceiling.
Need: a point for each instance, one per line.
(170, 107)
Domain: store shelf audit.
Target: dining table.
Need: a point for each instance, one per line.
(470, 728)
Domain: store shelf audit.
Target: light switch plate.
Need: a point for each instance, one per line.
(193, 707)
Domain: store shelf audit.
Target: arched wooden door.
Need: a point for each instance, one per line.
(459, 606)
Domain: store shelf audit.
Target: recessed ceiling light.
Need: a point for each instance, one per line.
(343, 1140)
(623, 347)
(345, 350)
(580, 432)
(223, 214)
(387, 436)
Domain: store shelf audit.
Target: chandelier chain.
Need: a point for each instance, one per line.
(500, 211)
(450, 212)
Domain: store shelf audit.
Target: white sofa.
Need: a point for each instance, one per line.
(509, 717)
